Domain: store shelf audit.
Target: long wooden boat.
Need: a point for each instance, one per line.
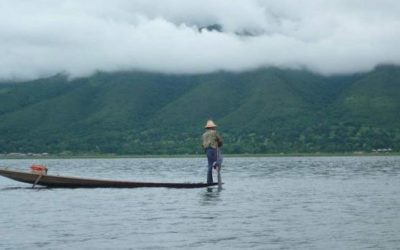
(53, 181)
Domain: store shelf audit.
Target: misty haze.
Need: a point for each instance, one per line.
(212, 124)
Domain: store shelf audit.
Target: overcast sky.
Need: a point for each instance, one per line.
(39, 38)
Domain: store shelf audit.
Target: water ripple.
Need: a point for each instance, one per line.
(266, 203)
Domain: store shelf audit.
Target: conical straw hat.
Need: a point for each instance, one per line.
(210, 124)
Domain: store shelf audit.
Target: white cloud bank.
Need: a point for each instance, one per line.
(39, 38)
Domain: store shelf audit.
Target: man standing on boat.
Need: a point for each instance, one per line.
(211, 143)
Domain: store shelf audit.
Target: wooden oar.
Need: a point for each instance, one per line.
(219, 178)
(37, 180)
(219, 160)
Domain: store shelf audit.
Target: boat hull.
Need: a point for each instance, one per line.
(53, 181)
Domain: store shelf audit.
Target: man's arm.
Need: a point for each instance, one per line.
(219, 140)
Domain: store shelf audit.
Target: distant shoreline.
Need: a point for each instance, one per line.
(112, 156)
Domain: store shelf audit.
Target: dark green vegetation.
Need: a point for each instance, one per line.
(263, 111)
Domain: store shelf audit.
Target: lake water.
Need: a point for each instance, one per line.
(266, 203)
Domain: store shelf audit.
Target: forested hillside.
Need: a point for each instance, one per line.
(262, 111)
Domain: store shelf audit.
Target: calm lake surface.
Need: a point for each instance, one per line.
(266, 203)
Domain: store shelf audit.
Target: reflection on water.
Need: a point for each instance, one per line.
(271, 203)
(210, 196)
(13, 188)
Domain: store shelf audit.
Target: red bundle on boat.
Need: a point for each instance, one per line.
(39, 169)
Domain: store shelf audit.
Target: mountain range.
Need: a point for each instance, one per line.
(261, 111)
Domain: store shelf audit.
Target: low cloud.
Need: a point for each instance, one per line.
(40, 38)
